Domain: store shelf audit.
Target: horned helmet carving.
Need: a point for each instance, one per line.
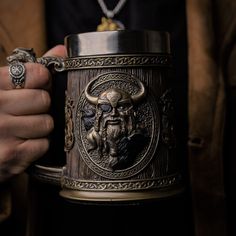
(115, 96)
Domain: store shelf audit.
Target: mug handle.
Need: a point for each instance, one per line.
(46, 174)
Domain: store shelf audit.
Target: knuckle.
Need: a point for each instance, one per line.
(9, 159)
(12, 153)
(40, 72)
(43, 73)
(46, 99)
(44, 146)
(6, 154)
(48, 123)
(36, 149)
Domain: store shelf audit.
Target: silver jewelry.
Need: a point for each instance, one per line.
(108, 23)
(17, 74)
(22, 55)
(16, 62)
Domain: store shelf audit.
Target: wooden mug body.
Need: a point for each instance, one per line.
(120, 130)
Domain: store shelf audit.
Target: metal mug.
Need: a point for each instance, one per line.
(120, 140)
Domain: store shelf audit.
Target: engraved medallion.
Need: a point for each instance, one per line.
(117, 127)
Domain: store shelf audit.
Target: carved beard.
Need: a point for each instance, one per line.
(111, 135)
(113, 132)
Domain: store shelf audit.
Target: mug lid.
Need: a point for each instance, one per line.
(118, 42)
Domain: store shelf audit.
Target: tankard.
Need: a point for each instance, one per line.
(120, 139)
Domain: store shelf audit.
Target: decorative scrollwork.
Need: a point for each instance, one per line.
(168, 131)
(69, 127)
(77, 63)
(159, 183)
(57, 63)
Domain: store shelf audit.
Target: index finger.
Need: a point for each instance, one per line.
(37, 76)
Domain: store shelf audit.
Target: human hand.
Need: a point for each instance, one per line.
(24, 122)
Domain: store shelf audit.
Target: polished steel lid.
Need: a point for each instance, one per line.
(117, 42)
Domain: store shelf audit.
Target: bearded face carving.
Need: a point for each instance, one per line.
(114, 124)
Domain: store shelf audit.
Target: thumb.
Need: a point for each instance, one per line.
(57, 51)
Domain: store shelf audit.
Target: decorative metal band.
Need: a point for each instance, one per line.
(82, 62)
(116, 61)
(159, 183)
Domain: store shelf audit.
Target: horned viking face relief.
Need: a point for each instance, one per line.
(114, 126)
